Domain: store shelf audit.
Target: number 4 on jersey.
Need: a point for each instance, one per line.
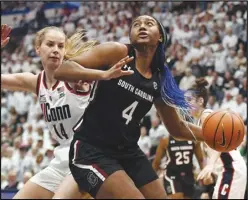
(128, 112)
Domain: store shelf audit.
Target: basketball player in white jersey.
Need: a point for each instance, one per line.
(62, 103)
(229, 167)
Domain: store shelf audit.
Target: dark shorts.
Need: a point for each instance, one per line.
(179, 184)
(90, 165)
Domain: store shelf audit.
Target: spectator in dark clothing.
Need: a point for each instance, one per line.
(12, 182)
(41, 18)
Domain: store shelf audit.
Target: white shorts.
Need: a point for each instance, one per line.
(231, 183)
(52, 176)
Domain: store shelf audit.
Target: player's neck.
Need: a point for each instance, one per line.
(50, 80)
(199, 113)
(143, 61)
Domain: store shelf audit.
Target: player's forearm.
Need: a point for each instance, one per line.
(73, 72)
(189, 131)
(214, 156)
(18, 82)
(201, 162)
(155, 164)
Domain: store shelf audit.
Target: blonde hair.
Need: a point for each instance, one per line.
(74, 45)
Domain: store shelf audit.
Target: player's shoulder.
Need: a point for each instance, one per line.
(117, 47)
(207, 111)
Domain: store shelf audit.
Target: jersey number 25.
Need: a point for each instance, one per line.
(182, 157)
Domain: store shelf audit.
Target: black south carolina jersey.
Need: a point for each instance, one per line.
(117, 107)
(179, 156)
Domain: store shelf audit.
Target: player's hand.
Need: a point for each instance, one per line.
(5, 31)
(206, 173)
(116, 71)
(81, 85)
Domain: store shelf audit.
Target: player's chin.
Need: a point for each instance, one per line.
(54, 65)
(145, 40)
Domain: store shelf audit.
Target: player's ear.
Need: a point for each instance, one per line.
(37, 50)
(160, 39)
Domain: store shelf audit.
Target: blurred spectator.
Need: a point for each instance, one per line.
(41, 18)
(180, 65)
(188, 80)
(156, 132)
(209, 77)
(230, 40)
(241, 107)
(23, 163)
(27, 175)
(231, 60)
(204, 37)
(236, 27)
(144, 141)
(220, 60)
(243, 88)
(69, 27)
(196, 52)
(29, 133)
(241, 61)
(232, 90)
(228, 102)
(38, 163)
(212, 104)
(125, 38)
(12, 181)
(48, 156)
(4, 112)
(6, 162)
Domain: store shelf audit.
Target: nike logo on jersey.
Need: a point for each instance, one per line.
(223, 143)
(42, 99)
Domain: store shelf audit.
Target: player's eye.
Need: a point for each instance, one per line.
(136, 24)
(149, 23)
(50, 44)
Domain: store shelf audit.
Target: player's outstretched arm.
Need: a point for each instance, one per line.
(19, 82)
(83, 67)
(177, 127)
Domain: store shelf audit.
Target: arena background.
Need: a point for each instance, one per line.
(206, 39)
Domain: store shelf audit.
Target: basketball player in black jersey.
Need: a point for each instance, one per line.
(105, 159)
(178, 175)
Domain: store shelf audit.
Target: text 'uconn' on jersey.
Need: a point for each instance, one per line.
(56, 114)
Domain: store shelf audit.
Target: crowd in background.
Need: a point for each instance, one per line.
(205, 40)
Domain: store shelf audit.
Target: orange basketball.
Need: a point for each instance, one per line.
(223, 130)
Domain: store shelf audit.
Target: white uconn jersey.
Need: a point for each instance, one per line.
(62, 107)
